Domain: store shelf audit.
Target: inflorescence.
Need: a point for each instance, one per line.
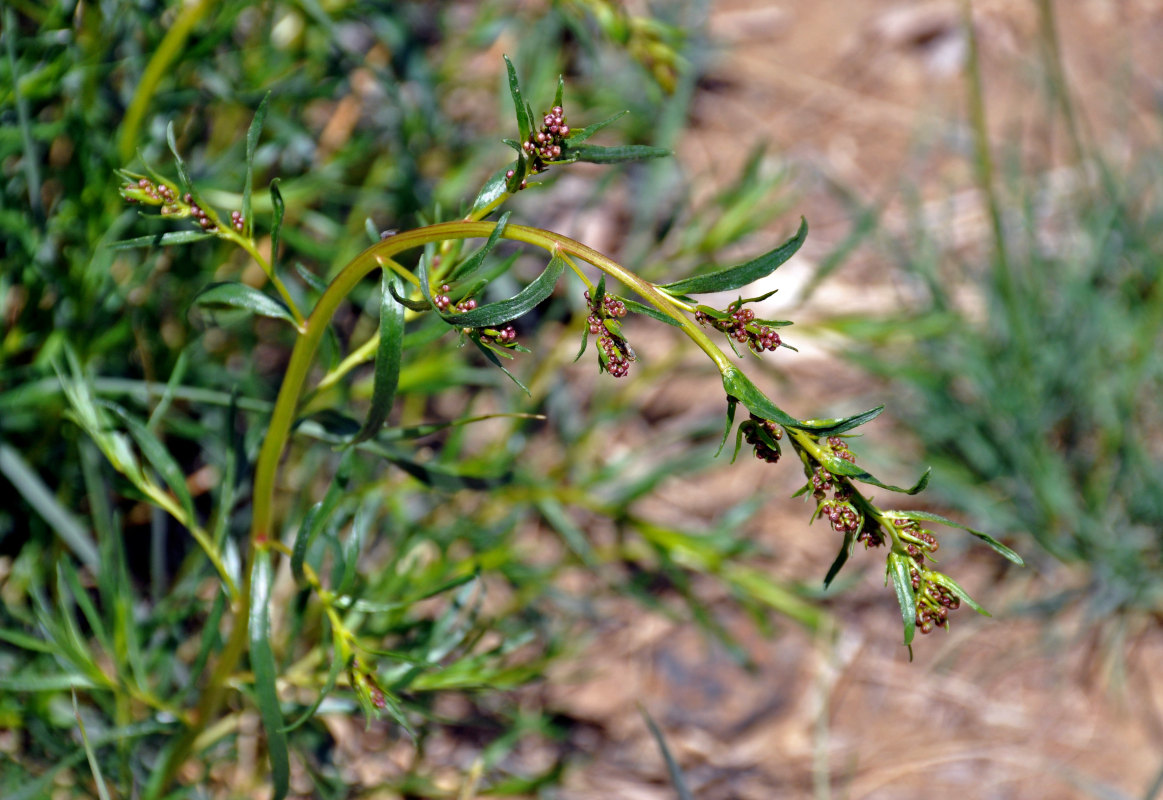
(740, 324)
(170, 204)
(614, 352)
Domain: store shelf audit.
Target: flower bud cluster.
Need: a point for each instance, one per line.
(933, 604)
(505, 337)
(755, 431)
(544, 144)
(740, 324)
(839, 448)
(165, 197)
(615, 354)
(918, 541)
(371, 696)
(443, 302)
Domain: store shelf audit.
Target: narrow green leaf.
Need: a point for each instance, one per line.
(555, 514)
(252, 135)
(579, 136)
(732, 403)
(493, 190)
(262, 663)
(740, 386)
(505, 310)
(557, 98)
(673, 770)
(473, 262)
(951, 585)
(340, 655)
(94, 767)
(352, 546)
(25, 642)
(929, 516)
(318, 515)
(159, 458)
(524, 122)
(841, 558)
(594, 154)
(310, 278)
(389, 354)
(160, 240)
(36, 493)
(177, 375)
(46, 683)
(228, 294)
(584, 341)
(898, 570)
(731, 278)
(839, 466)
(279, 208)
(183, 173)
(411, 305)
(651, 311)
(832, 427)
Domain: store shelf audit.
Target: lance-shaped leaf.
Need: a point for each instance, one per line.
(740, 386)
(898, 571)
(841, 558)
(316, 518)
(160, 239)
(503, 311)
(732, 403)
(650, 311)
(159, 458)
(496, 362)
(732, 278)
(340, 655)
(951, 585)
(262, 664)
(473, 262)
(252, 135)
(411, 305)
(279, 208)
(595, 154)
(389, 354)
(524, 121)
(838, 466)
(578, 136)
(493, 190)
(241, 296)
(929, 516)
(833, 427)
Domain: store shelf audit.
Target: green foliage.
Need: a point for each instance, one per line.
(146, 446)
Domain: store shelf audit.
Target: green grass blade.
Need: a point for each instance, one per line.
(94, 767)
(34, 491)
(262, 662)
(672, 769)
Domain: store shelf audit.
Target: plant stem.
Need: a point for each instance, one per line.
(378, 256)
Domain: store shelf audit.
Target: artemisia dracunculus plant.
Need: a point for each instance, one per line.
(447, 284)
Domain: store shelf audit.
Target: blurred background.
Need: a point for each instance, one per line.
(982, 181)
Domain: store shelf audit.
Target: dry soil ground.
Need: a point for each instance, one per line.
(847, 91)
